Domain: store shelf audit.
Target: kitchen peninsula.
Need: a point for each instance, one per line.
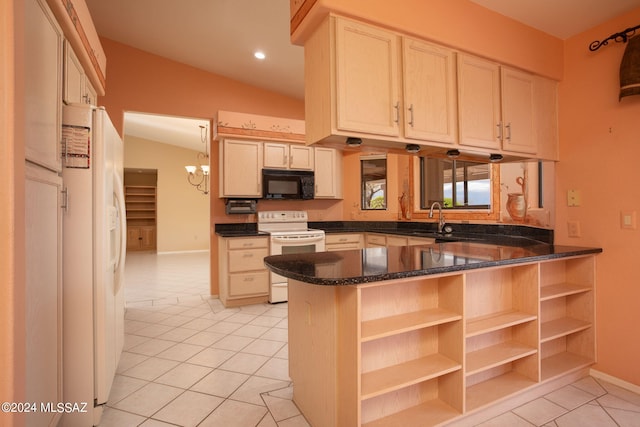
(430, 334)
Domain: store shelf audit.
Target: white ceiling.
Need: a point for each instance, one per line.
(220, 36)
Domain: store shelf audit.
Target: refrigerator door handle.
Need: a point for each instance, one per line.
(122, 249)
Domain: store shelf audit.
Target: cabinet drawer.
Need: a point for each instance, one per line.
(342, 247)
(396, 241)
(248, 260)
(376, 239)
(244, 284)
(248, 243)
(332, 239)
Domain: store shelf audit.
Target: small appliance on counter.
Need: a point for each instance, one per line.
(289, 233)
(240, 206)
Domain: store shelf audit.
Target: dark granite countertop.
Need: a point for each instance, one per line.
(354, 267)
(501, 234)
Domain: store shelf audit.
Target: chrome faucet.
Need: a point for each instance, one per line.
(440, 217)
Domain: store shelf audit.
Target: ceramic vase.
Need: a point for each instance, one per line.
(516, 206)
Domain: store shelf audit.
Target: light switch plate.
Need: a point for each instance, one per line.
(573, 198)
(573, 228)
(628, 220)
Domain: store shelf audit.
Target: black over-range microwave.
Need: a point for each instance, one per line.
(287, 184)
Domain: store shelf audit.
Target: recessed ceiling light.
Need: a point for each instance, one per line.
(260, 55)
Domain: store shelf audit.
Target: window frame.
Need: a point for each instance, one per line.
(459, 214)
(363, 183)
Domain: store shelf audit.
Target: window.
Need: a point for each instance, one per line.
(456, 184)
(374, 182)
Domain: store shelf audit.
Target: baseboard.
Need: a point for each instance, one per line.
(615, 381)
(183, 252)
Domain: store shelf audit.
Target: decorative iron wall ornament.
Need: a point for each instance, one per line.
(630, 69)
(620, 37)
(630, 65)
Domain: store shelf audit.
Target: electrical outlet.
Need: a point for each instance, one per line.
(573, 228)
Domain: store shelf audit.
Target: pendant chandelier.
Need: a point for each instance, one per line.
(198, 176)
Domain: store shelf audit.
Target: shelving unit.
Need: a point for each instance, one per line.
(430, 350)
(411, 353)
(501, 308)
(140, 201)
(566, 315)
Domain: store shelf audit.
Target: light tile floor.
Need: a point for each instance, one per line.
(188, 361)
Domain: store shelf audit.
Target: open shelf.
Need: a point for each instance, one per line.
(561, 290)
(386, 326)
(495, 355)
(496, 388)
(561, 363)
(561, 327)
(405, 374)
(493, 322)
(432, 412)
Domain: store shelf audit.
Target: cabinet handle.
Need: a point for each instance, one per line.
(247, 245)
(499, 125)
(508, 127)
(411, 119)
(247, 256)
(248, 279)
(284, 160)
(344, 239)
(65, 199)
(397, 107)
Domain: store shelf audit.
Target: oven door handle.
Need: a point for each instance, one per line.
(303, 239)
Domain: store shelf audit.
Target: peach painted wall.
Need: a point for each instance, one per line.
(463, 25)
(599, 152)
(182, 212)
(143, 82)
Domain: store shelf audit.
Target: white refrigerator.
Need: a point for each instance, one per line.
(94, 246)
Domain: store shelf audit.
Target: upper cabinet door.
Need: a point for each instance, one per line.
(43, 85)
(328, 166)
(301, 157)
(241, 169)
(518, 111)
(73, 77)
(429, 92)
(367, 79)
(276, 156)
(479, 102)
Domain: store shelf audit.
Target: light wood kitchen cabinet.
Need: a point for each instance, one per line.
(243, 278)
(288, 156)
(343, 241)
(367, 72)
(77, 87)
(141, 238)
(428, 350)
(328, 173)
(517, 111)
(546, 117)
(363, 85)
(245, 181)
(496, 106)
(43, 86)
(378, 239)
(43, 291)
(429, 85)
(479, 102)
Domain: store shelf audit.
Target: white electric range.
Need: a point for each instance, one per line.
(289, 234)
